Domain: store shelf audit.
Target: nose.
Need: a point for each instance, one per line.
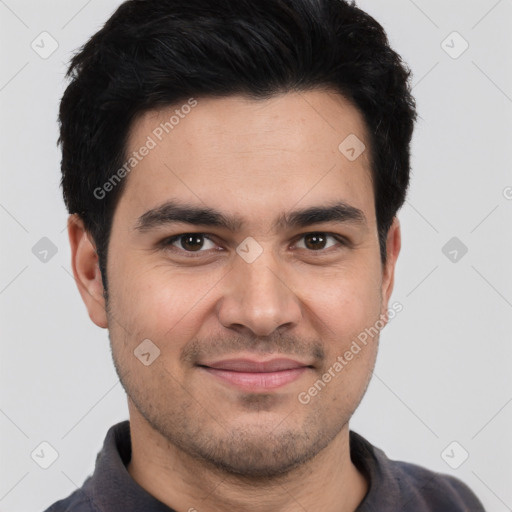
(257, 297)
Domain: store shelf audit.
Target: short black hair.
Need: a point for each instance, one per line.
(155, 53)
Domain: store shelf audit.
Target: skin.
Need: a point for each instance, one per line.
(199, 443)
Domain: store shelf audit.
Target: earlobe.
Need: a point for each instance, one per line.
(393, 245)
(86, 271)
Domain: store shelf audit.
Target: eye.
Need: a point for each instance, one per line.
(193, 244)
(189, 242)
(317, 241)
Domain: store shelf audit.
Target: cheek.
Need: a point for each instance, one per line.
(158, 303)
(163, 300)
(347, 302)
(346, 312)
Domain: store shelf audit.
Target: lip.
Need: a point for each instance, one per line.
(253, 366)
(251, 375)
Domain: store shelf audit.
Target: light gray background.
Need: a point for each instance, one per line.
(443, 372)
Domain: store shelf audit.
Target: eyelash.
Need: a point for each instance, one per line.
(167, 243)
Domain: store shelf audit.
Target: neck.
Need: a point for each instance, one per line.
(329, 482)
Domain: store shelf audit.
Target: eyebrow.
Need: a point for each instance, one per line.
(172, 212)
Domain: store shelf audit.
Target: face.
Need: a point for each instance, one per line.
(255, 277)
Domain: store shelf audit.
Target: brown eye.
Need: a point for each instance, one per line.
(189, 242)
(318, 241)
(315, 241)
(192, 242)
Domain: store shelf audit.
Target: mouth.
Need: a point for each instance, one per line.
(252, 375)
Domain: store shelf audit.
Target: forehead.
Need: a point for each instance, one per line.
(252, 156)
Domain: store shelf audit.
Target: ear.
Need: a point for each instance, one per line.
(393, 244)
(84, 261)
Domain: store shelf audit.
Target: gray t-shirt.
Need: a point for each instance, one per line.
(394, 486)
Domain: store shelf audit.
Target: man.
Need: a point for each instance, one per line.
(233, 172)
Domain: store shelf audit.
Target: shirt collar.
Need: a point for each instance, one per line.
(383, 490)
(111, 486)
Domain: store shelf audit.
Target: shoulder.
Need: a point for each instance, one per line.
(397, 485)
(76, 502)
(435, 491)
